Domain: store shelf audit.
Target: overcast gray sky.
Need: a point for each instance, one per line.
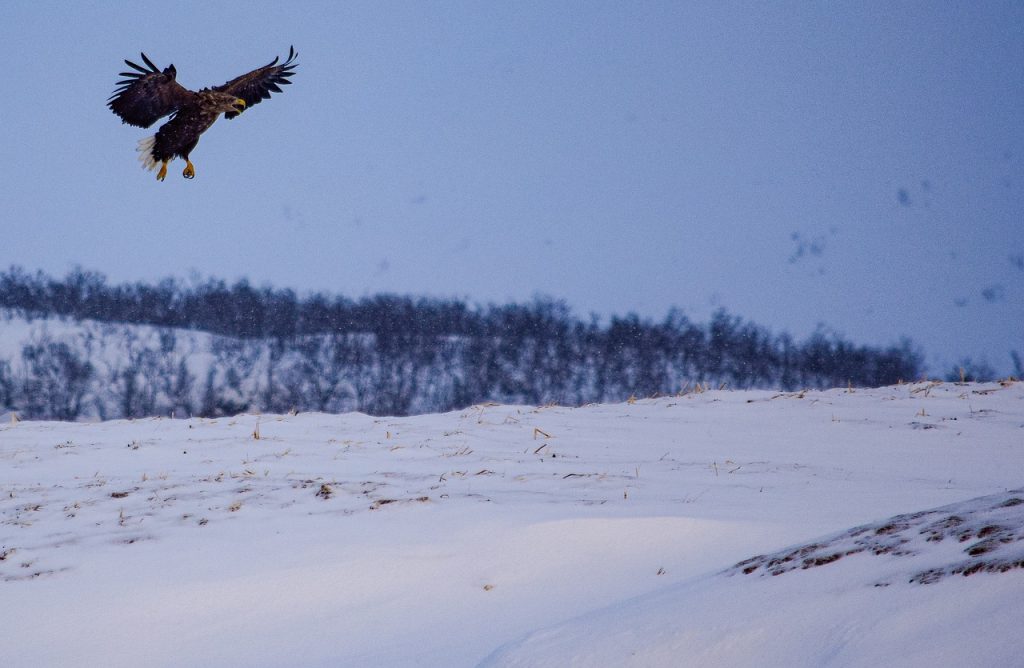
(859, 165)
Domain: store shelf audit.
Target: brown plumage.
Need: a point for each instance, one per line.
(147, 94)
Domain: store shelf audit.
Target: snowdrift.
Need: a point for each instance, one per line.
(870, 527)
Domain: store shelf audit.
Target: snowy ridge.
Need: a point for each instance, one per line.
(846, 616)
(525, 536)
(989, 529)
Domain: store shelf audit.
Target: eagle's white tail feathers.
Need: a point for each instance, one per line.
(145, 150)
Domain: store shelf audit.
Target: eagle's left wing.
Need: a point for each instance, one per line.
(146, 95)
(257, 85)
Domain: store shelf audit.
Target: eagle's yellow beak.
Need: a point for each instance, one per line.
(239, 105)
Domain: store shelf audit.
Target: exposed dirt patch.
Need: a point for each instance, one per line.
(993, 527)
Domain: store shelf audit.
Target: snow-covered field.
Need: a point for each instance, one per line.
(714, 528)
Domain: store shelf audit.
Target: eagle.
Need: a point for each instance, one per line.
(147, 94)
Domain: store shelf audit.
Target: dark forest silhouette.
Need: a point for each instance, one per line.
(271, 350)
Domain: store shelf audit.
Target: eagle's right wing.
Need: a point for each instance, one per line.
(146, 95)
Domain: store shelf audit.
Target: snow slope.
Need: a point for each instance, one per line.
(844, 614)
(645, 534)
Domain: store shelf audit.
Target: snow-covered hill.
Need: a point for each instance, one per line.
(713, 528)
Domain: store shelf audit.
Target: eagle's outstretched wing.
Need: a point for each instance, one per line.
(257, 85)
(146, 95)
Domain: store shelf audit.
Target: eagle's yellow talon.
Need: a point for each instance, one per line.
(163, 172)
(190, 170)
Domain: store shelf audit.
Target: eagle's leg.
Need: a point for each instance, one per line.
(163, 171)
(190, 170)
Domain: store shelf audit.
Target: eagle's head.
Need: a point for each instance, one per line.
(223, 102)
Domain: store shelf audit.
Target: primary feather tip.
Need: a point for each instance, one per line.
(145, 150)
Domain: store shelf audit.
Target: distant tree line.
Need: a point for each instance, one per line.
(270, 350)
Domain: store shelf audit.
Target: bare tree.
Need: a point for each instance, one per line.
(55, 380)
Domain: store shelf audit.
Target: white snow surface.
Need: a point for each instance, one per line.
(714, 528)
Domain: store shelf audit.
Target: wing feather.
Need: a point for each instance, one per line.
(147, 95)
(257, 85)
(149, 62)
(138, 68)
